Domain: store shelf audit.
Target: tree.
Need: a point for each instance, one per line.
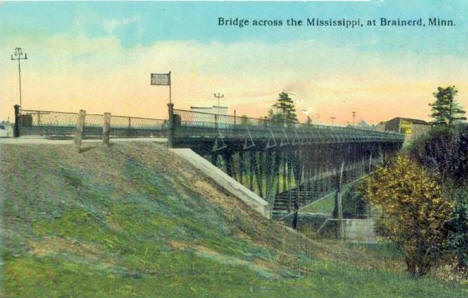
(445, 110)
(308, 121)
(444, 151)
(275, 118)
(245, 120)
(286, 110)
(415, 212)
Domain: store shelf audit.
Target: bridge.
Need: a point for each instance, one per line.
(289, 166)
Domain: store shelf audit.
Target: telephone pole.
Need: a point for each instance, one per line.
(218, 96)
(19, 55)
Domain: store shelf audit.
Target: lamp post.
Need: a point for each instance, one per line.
(19, 55)
(218, 96)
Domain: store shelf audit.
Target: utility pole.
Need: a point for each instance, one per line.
(18, 55)
(218, 96)
(354, 116)
(333, 120)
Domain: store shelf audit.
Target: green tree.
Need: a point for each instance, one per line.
(415, 212)
(245, 120)
(445, 110)
(275, 118)
(308, 121)
(286, 110)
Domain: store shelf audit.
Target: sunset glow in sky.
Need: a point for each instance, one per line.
(99, 56)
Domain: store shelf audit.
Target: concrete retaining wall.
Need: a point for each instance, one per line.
(225, 181)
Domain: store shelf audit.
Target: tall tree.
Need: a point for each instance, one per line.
(445, 110)
(286, 110)
(308, 121)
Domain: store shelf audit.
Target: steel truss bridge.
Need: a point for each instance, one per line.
(289, 166)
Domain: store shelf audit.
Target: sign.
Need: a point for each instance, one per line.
(163, 79)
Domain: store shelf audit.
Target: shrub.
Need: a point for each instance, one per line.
(458, 231)
(414, 212)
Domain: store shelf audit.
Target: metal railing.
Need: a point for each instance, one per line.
(63, 124)
(199, 124)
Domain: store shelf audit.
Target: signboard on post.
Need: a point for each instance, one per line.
(162, 79)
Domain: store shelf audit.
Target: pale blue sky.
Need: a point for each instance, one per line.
(154, 21)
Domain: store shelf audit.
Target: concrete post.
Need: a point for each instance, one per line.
(170, 135)
(340, 203)
(106, 129)
(79, 130)
(16, 129)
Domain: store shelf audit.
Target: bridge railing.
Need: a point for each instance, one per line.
(201, 124)
(63, 124)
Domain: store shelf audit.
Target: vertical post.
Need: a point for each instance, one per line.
(106, 129)
(259, 172)
(16, 130)
(241, 167)
(252, 168)
(235, 121)
(340, 203)
(170, 135)
(79, 130)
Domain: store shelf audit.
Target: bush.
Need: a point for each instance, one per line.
(444, 151)
(415, 212)
(458, 231)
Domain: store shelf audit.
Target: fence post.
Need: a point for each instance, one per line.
(79, 130)
(106, 129)
(170, 135)
(340, 203)
(16, 130)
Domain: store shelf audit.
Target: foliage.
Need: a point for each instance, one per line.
(444, 151)
(354, 204)
(414, 212)
(286, 114)
(458, 231)
(245, 120)
(308, 121)
(445, 109)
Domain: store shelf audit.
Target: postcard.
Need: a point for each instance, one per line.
(234, 149)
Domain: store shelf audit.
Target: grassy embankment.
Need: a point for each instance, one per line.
(135, 220)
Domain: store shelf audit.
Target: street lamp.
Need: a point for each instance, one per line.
(19, 55)
(218, 96)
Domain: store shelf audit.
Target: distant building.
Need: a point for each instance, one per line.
(220, 110)
(206, 116)
(412, 128)
(364, 125)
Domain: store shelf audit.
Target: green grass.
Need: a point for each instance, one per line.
(325, 205)
(134, 220)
